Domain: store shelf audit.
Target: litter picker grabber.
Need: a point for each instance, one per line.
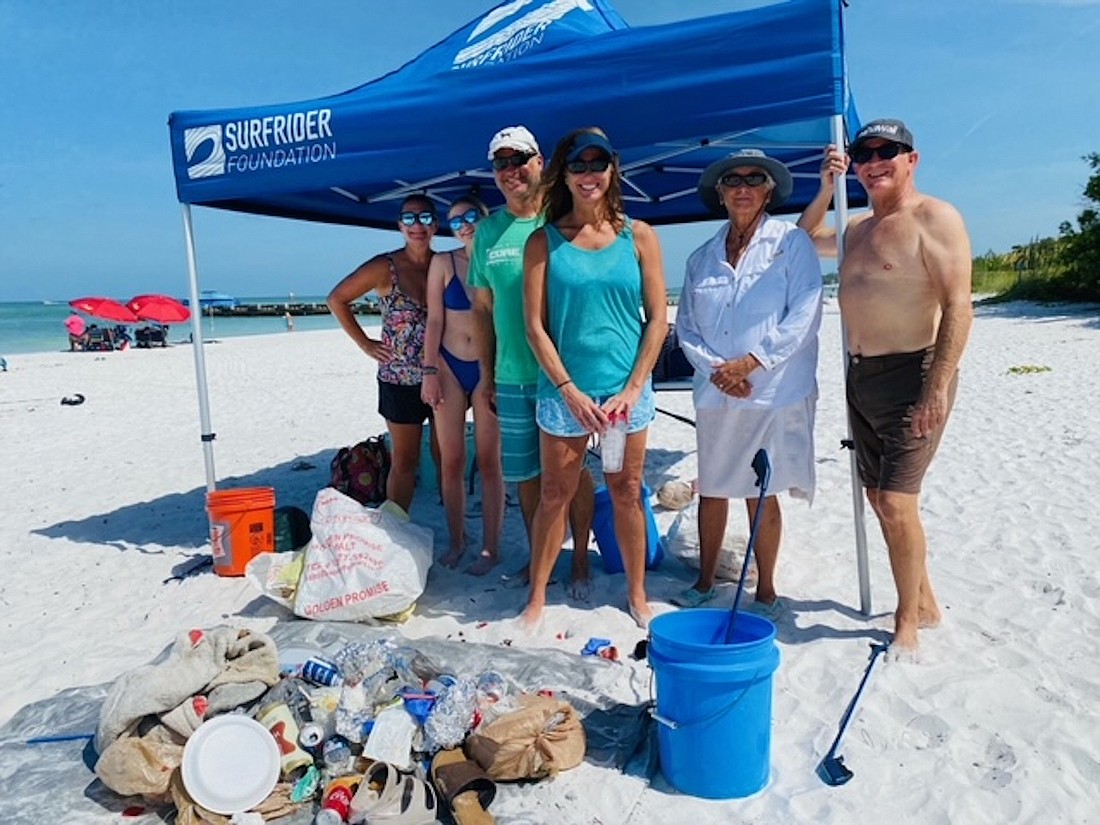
(763, 469)
(831, 768)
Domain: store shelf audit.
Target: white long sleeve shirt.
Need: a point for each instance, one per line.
(768, 306)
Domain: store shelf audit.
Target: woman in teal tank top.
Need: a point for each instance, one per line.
(596, 316)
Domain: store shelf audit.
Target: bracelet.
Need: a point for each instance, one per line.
(427, 370)
(563, 383)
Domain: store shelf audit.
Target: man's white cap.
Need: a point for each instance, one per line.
(514, 137)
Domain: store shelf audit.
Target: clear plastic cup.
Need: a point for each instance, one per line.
(613, 444)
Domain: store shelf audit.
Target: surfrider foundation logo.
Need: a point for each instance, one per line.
(516, 38)
(272, 142)
(212, 163)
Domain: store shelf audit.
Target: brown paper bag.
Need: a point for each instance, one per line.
(541, 737)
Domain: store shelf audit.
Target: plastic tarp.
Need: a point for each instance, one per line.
(672, 98)
(52, 780)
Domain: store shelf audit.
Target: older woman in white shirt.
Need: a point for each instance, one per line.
(748, 320)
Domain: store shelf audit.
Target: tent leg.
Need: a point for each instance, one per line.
(197, 348)
(840, 206)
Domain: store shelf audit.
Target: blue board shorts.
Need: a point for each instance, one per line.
(519, 434)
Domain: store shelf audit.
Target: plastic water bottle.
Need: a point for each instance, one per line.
(613, 444)
(490, 688)
(451, 716)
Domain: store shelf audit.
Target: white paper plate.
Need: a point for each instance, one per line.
(230, 764)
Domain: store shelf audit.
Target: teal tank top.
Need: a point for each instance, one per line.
(594, 317)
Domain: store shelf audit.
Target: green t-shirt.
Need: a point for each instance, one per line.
(497, 265)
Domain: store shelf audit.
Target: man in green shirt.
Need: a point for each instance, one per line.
(508, 365)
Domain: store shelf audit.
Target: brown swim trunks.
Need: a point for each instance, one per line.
(881, 391)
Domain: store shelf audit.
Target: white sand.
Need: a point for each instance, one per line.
(102, 502)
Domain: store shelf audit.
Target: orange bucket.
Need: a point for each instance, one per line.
(242, 525)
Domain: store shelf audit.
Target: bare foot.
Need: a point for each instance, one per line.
(521, 578)
(928, 612)
(642, 615)
(453, 557)
(485, 562)
(929, 618)
(899, 653)
(905, 645)
(529, 621)
(580, 589)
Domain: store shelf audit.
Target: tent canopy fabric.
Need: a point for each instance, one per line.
(672, 99)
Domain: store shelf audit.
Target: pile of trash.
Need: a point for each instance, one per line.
(230, 730)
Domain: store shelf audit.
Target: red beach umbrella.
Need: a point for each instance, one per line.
(106, 309)
(161, 309)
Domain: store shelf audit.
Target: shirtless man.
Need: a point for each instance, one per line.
(905, 302)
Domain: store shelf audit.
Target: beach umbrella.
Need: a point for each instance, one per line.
(106, 309)
(161, 309)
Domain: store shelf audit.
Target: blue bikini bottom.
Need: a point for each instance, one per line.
(468, 373)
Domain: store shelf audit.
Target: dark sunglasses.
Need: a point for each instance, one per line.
(515, 161)
(887, 151)
(579, 167)
(470, 216)
(412, 218)
(753, 179)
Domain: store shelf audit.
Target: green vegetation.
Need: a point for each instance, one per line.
(1066, 268)
(1027, 369)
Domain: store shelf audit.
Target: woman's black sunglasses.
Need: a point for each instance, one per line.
(515, 161)
(412, 218)
(470, 216)
(753, 179)
(579, 167)
(887, 151)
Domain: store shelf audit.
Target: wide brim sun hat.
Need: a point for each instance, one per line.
(784, 183)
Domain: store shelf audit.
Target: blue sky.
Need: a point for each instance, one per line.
(1003, 97)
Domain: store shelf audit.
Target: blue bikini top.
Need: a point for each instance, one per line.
(454, 294)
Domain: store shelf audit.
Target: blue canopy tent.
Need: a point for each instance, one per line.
(673, 98)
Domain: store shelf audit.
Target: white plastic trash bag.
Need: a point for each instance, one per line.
(682, 541)
(361, 563)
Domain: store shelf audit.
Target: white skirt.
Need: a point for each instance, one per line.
(727, 441)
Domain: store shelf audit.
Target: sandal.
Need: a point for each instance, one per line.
(412, 802)
(693, 598)
(379, 782)
(465, 786)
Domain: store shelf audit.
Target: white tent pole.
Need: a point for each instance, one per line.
(197, 348)
(840, 207)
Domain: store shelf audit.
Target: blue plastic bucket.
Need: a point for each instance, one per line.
(603, 526)
(714, 701)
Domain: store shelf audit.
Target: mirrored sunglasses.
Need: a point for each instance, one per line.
(470, 216)
(515, 161)
(753, 179)
(579, 167)
(412, 218)
(887, 151)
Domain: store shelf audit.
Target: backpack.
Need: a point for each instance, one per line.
(672, 364)
(360, 471)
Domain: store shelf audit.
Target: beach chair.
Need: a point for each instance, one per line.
(158, 336)
(99, 339)
(673, 372)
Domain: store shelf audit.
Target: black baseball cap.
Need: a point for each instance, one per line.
(887, 129)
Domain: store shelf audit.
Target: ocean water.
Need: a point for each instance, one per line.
(38, 326)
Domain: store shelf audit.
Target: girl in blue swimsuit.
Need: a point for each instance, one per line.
(451, 385)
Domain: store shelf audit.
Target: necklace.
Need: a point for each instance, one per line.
(737, 239)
